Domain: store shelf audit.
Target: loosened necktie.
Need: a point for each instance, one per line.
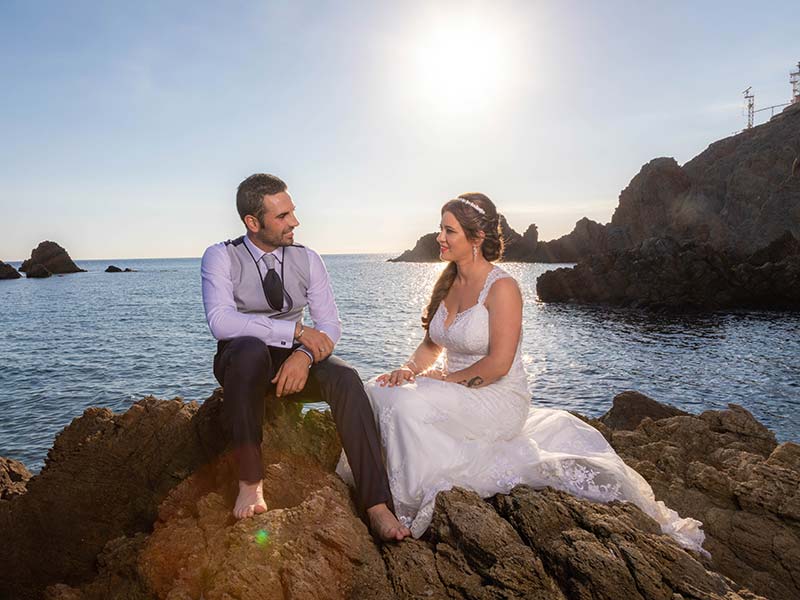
(273, 286)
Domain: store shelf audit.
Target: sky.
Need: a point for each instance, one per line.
(126, 127)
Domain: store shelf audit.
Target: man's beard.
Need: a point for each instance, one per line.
(274, 240)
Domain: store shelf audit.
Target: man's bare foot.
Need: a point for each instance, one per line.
(250, 500)
(385, 525)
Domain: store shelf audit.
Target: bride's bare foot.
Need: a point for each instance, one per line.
(250, 500)
(385, 525)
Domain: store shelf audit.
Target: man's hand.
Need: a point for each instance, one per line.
(292, 376)
(317, 342)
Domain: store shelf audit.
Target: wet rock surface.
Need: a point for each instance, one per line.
(175, 537)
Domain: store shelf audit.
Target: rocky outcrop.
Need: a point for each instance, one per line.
(104, 477)
(737, 196)
(721, 467)
(587, 237)
(37, 271)
(51, 256)
(8, 272)
(726, 469)
(425, 250)
(14, 477)
(631, 408)
(518, 248)
(115, 269)
(663, 273)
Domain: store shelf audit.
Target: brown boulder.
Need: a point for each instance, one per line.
(104, 477)
(8, 272)
(608, 551)
(631, 408)
(53, 257)
(316, 548)
(13, 478)
(725, 469)
(118, 576)
(548, 544)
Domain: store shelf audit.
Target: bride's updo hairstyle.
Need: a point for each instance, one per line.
(472, 222)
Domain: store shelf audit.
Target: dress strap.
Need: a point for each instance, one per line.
(495, 274)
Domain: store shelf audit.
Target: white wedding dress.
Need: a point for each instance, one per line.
(437, 435)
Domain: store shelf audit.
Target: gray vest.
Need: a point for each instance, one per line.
(248, 291)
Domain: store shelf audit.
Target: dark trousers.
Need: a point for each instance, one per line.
(245, 367)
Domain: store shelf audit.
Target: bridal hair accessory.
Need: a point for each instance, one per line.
(473, 205)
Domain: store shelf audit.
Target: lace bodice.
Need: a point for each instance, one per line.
(466, 340)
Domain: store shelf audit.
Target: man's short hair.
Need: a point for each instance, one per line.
(251, 192)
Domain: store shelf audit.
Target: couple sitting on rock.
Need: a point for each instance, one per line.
(419, 429)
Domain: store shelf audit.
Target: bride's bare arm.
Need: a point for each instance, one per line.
(504, 304)
(422, 359)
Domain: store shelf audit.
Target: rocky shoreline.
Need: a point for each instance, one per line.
(662, 273)
(137, 505)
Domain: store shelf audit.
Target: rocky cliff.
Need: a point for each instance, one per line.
(138, 505)
(738, 195)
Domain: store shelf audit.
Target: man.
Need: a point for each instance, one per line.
(255, 289)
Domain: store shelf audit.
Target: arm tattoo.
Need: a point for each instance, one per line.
(474, 382)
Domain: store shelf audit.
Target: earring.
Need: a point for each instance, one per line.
(474, 253)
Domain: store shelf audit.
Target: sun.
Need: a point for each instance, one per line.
(463, 66)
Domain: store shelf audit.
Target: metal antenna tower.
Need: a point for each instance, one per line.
(794, 78)
(750, 99)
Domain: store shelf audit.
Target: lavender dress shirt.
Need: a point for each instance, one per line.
(226, 322)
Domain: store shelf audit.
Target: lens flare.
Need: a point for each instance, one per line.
(262, 537)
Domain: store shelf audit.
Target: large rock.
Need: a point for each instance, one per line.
(631, 408)
(722, 467)
(587, 237)
(425, 250)
(738, 195)
(519, 248)
(37, 271)
(51, 256)
(8, 272)
(662, 272)
(104, 477)
(726, 469)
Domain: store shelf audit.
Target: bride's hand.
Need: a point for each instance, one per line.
(434, 374)
(396, 377)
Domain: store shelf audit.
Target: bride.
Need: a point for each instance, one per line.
(470, 423)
